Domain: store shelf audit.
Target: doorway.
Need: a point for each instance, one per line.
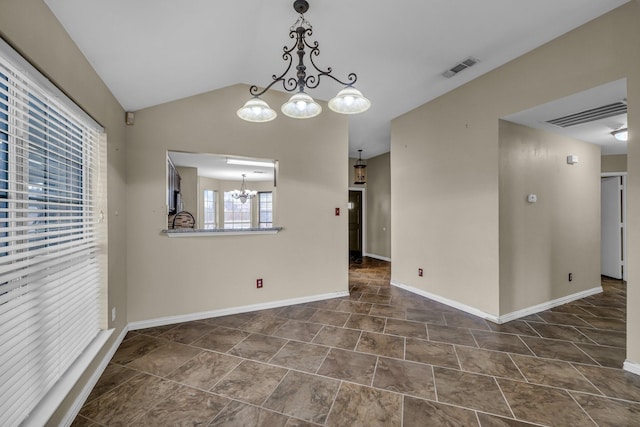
(356, 208)
(613, 226)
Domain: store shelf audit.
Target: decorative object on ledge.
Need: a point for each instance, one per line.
(183, 219)
(243, 194)
(187, 232)
(360, 170)
(621, 134)
(302, 106)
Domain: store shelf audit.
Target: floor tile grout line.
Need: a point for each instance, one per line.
(583, 409)
(375, 371)
(497, 383)
(588, 380)
(518, 367)
(333, 402)
(264, 401)
(435, 383)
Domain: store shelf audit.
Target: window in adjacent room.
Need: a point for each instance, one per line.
(237, 215)
(265, 209)
(209, 209)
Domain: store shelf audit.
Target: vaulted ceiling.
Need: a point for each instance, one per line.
(153, 51)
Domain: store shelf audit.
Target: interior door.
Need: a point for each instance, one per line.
(612, 227)
(355, 225)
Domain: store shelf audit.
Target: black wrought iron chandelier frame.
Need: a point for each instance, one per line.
(300, 30)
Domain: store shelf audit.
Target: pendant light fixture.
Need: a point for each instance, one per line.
(302, 106)
(621, 134)
(243, 194)
(360, 170)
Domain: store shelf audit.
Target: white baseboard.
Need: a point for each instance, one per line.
(86, 390)
(380, 257)
(169, 320)
(549, 304)
(632, 367)
(451, 303)
(507, 317)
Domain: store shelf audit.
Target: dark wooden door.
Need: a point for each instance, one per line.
(355, 225)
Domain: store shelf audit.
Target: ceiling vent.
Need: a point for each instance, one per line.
(469, 62)
(591, 115)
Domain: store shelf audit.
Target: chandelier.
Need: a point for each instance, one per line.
(243, 194)
(302, 106)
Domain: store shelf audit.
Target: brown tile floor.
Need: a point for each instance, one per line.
(381, 357)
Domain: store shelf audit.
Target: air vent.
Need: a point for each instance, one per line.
(589, 116)
(469, 62)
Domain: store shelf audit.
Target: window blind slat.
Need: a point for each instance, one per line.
(50, 278)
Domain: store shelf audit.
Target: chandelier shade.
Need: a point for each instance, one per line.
(256, 110)
(302, 106)
(349, 101)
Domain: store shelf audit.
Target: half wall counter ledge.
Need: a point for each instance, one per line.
(190, 232)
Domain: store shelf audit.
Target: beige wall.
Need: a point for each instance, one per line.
(542, 242)
(444, 186)
(48, 47)
(177, 276)
(447, 152)
(379, 206)
(614, 163)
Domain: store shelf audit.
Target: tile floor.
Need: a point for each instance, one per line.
(381, 357)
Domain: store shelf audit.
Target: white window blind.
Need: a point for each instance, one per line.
(50, 276)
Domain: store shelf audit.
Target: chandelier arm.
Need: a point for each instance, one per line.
(286, 84)
(315, 51)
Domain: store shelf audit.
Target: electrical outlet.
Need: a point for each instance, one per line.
(571, 277)
(420, 272)
(259, 283)
(113, 314)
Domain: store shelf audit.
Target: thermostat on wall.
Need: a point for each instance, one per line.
(572, 159)
(532, 198)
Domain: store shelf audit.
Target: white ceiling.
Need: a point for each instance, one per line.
(216, 166)
(596, 132)
(153, 51)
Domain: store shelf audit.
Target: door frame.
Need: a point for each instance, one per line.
(363, 223)
(624, 217)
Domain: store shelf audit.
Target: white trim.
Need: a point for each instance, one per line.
(199, 232)
(169, 320)
(73, 412)
(624, 217)
(53, 399)
(549, 304)
(610, 174)
(632, 367)
(451, 303)
(507, 317)
(380, 257)
(363, 190)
